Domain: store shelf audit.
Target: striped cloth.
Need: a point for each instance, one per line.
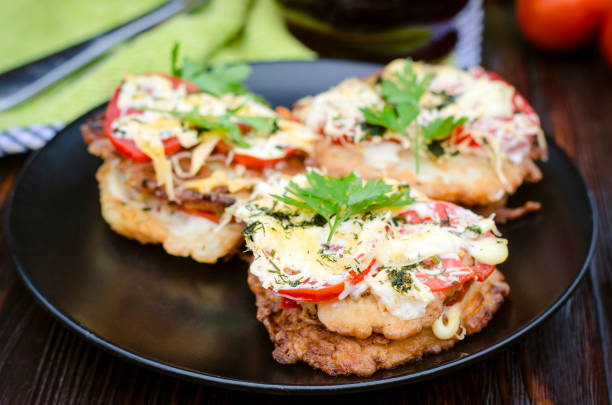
(21, 140)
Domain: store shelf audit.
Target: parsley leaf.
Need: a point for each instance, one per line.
(338, 198)
(226, 123)
(439, 128)
(387, 117)
(217, 80)
(407, 87)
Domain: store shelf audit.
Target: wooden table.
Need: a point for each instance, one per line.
(566, 360)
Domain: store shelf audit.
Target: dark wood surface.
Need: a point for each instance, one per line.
(565, 360)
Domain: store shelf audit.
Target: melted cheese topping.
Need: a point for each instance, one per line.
(143, 99)
(499, 131)
(337, 113)
(453, 321)
(220, 178)
(291, 250)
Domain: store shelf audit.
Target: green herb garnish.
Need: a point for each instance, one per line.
(402, 96)
(250, 229)
(474, 228)
(401, 279)
(217, 79)
(338, 198)
(226, 123)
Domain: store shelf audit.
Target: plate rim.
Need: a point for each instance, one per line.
(251, 386)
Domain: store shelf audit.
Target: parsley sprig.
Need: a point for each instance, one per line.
(217, 79)
(402, 96)
(226, 123)
(338, 198)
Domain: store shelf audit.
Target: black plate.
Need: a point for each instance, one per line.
(198, 321)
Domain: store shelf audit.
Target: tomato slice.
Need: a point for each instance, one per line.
(521, 105)
(252, 161)
(211, 216)
(412, 217)
(324, 294)
(460, 136)
(479, 271)
(260, 164)
(287, 303)
(313, 295)
(482, 271)
(127, 147)
(445, 213)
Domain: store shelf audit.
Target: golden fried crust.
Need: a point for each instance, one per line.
(463, 179)
(164, 225)
(298, 335)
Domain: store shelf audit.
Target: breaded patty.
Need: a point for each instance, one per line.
(299, 335)
(151, 220)
(479, 163)
(468, 179)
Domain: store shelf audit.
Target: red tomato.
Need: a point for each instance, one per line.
(211, 216)
(412, 217)
(326, 293)
(127, 147)
(286, 303)
(560, 25)
(479, 271)
(313, 295)
(521, 105)
(260, 164)
(460, 136)
(605, 39)
(445, 213)
(252, 161)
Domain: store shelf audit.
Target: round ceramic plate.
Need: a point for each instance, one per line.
(198, 321)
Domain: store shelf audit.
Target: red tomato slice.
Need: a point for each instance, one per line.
(326, 293)
(479, 271)
(252, 161)
(459, 136)
(286, 303)
(445, 213)
(211, 216)
(342, 140)
(258, 163)
(355, 278)
(127, 147)
(521, 105)
(482, 271)
(412, 217)
(313, 295)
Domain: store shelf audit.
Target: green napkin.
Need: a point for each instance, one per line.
(231, 30)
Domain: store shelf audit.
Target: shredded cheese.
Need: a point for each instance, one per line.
(449, 329)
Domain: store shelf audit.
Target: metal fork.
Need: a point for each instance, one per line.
(23, 82)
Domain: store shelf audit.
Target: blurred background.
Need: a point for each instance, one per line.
(446, 31)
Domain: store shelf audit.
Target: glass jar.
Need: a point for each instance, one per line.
(381, 30)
